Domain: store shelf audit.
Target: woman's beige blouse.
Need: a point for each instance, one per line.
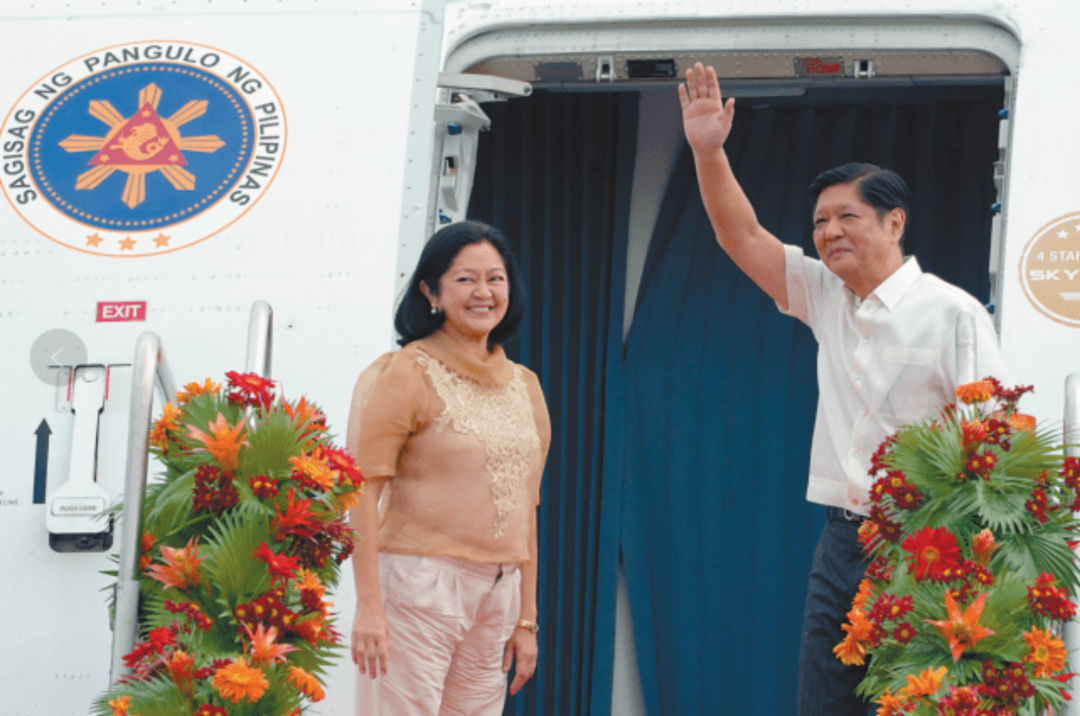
(464, 442)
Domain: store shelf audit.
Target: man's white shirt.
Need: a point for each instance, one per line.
(883, 362)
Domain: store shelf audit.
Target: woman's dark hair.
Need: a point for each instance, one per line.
(414, 319)
(881, 188)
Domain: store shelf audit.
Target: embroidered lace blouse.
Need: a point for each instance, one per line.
(464, 443)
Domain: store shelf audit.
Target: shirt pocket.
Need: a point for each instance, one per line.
(912, 384)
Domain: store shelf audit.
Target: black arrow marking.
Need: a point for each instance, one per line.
(41, 462)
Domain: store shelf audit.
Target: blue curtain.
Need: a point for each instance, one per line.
(720, 393)
(554, 175)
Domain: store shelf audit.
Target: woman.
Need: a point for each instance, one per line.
(452, 436)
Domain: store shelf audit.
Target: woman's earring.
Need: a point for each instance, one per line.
(434, 311)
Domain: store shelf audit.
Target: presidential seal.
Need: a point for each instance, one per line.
(142, 149)
(1050, 270)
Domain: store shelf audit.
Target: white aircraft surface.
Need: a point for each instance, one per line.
(299, 152)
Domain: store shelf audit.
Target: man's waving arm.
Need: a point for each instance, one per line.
(707, 121)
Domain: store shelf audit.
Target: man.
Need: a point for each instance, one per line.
(886, 352)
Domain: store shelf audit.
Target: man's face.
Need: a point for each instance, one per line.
(853, 242)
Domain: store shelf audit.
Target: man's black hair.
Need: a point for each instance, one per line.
(881, 188)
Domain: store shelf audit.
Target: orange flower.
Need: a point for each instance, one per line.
(984, 545)
(308, 581)
(890, 704)
(1047, 652)
(263, 648)
(181, 568)
(304, 412)
(238, 680)
(978, 392)
(146, 543)
(168, 421)
(190, 390)
(348, 500)
(182, 670)
(316, 470)
(120, 706)
(962, 630)
(313, 630)
(1020, 421)
(854, 647)
(307, 683)
(864, 594)
(926, 684)
(224, 442)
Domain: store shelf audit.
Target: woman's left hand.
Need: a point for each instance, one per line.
(522, 645)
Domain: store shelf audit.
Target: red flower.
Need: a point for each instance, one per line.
(1050, 601)
(250, 389)
(1037, 505)
(904, 632)
(213, 490)
(264, 487)
(974, 433)
(932, 550)
(1070, 471)
(297, 520)
(982, 464)
(281, 566)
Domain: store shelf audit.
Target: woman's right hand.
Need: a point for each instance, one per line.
(370, 640)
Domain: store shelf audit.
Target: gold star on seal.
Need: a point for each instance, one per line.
(161, 240)
(127, 244)
(94, 240)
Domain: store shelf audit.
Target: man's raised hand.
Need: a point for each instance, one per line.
(706, 117)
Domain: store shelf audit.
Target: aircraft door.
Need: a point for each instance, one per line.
(458, 123)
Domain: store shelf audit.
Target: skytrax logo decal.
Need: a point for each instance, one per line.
(142, 149)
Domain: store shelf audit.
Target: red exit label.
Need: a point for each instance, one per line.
(113, 311)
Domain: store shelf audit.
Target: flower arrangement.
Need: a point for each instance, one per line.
(241, 540)
(971, 567)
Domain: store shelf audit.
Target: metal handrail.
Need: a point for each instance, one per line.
(260, 339)
(1071, 429)
(150, 368)
(967, 362)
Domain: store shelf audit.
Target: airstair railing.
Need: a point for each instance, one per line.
(1071, 435)
(260, 339)
(150, 368)
(966, 349)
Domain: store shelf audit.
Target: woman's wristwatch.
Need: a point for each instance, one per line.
(531, 626)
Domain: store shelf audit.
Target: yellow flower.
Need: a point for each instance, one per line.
(238, 680)
(224, 442)
(926, 683)
(120, 706)
(306, 683)
(978, 392)
(190, 390)
(1047, 652)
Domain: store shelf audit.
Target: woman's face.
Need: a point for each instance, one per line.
(474, 293)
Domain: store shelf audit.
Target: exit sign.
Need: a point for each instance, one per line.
(114, 311)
